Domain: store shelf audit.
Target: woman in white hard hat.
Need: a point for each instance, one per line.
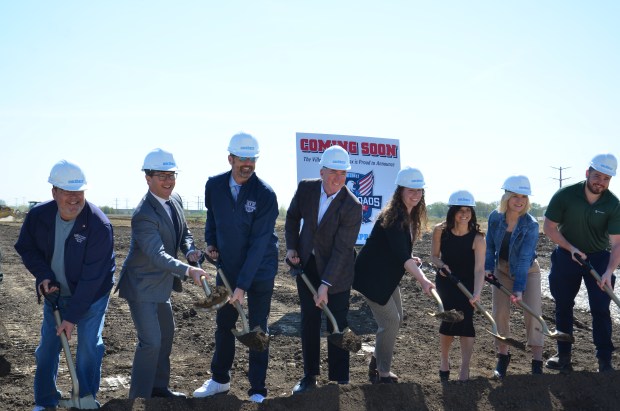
(382, 262)
(511, 257)
(458, 247)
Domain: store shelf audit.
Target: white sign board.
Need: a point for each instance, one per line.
(375, 162)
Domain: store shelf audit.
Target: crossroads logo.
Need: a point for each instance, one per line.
(362, 185)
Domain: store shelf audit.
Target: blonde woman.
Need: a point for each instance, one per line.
(511, 256)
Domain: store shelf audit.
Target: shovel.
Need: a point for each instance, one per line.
(587, 265)
(451, 316)
(256, 339)
(347, 339)
(556, 335)
(506, 340)
(75, 401)
(214, 300)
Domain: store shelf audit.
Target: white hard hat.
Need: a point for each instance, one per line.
(159, 160)
(518, 184)
(243, 145)
(410, 178)
(605, 163)
(68, 176)
(335, 158)
(462, 198)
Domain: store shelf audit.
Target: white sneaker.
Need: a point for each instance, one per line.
(210, 388)
(257, 398)
(38, 408)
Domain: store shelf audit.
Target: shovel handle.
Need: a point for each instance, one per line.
(438, 299)
(237, 304)
(205, 285)
(324, 306)
(298, 270)
(469, 296)
(597, 277)
(523, 305)
(70, 365)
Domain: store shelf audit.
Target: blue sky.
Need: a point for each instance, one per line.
(474, 90)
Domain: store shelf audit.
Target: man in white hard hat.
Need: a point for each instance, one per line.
(584, 219)
(240, 234)
(332, 217)
(152, 271)
(67, 244)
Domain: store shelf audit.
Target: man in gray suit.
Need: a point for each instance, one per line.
(332, 217)
(151, 271)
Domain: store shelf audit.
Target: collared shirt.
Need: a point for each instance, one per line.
(324, 202)
(167, 208)
(165, 205)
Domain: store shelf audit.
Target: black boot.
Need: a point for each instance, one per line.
(605, 365)
(560, 362)
(502, 365)
(537, 367)
(444, 376)
(373, 374)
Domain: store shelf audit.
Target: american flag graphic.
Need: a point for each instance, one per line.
(366, 183)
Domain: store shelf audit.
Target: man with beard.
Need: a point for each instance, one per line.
(240, 234)
(584, 219)
(68, 246)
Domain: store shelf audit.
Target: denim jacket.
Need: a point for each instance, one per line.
(522, 248)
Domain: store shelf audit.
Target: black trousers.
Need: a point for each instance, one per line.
(337, 358)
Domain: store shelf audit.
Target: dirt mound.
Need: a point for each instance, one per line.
(416, 359)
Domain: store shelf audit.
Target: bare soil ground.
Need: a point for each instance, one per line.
(416, 359)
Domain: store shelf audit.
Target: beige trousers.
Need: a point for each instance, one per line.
(531, 297)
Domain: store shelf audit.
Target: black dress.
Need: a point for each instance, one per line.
(457, 252)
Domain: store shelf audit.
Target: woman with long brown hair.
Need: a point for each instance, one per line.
(383, 261)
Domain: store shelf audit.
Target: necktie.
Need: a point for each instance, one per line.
(175, 219)
(235, 191)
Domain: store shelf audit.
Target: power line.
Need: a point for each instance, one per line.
(560, 179)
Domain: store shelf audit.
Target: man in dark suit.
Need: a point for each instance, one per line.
(151, 271)
(332, 217)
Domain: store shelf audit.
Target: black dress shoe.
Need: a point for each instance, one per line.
(166, 393)
(305, 384)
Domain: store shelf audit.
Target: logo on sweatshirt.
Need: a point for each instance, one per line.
(250, 206)
(79, 238)
(362, 186)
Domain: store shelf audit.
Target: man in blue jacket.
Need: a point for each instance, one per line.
(239, 232)
(67, 244)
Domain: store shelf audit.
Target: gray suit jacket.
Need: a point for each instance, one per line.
(151, 270)
(332, 240)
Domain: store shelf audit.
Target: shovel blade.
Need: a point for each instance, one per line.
(451, 316)
(347, 340)
(560, 336)
(214, 300)
(255, 340)
(509, 341)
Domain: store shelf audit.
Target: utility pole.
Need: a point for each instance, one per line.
(560, 179)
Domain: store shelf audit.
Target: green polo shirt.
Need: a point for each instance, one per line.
(586, 226)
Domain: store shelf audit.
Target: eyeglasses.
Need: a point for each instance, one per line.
(250, 159)
(164, 177)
